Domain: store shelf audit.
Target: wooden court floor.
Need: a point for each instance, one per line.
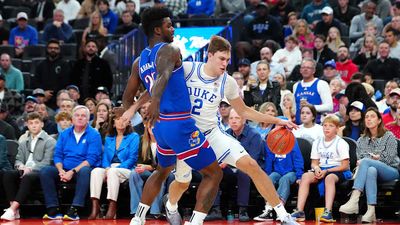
(152, 222)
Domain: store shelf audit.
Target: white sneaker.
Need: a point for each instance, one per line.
(136, 221)
(8, 215)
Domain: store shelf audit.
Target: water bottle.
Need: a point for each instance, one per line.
(229, 216)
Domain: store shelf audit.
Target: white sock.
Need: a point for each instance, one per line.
(171, 208)
(268, 206)
(197, 218)
(142, 211)
(280, 211)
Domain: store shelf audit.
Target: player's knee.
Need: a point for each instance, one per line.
(183, 179)
(248, 165)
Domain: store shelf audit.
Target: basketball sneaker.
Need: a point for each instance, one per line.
(327, 217)
(288, 220)
(299, 215)
(266, 215)
(173, 218)
(136, 221)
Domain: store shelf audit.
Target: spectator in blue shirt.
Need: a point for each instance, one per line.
(201, 7)
(283, 170)
(22, 35)
(312, 12)
(57, 29)
(78, 149)
(110, 19)
(251, 141)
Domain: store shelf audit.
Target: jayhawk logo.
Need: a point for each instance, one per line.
(194, 139)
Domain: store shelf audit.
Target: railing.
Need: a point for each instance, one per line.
(128, 48)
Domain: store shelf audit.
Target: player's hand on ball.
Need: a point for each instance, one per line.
(288, 124)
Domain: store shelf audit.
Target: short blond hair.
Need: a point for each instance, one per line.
(332, 118)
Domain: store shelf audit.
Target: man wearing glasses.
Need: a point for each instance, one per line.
(311, 90)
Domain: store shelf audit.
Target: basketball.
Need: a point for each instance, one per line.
(280, 140)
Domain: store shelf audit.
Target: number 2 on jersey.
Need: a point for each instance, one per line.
(197, 105)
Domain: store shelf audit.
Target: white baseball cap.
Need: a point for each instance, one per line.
(22, 15)
(327, 10)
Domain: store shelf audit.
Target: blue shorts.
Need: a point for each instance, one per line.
(178, 137)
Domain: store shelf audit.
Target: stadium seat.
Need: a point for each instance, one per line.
(33, 51)
(305, 148)
(17, 63)
(69, 51)
(27, 80)
(352, 151)
(9, 49)
(12, 150)
(9, 12)
(80, 24)
(35, 63)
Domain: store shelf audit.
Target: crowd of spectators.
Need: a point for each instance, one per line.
(332, 69)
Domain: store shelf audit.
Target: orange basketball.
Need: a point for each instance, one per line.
(280, 140)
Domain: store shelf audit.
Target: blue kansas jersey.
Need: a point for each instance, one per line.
(175, 98)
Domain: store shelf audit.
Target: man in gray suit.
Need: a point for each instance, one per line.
(34, 152)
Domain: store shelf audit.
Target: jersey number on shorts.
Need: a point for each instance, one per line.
(197, 105)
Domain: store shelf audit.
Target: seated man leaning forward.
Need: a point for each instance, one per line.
(77, 151)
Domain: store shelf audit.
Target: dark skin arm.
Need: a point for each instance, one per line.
(128, 98)
(169, 58)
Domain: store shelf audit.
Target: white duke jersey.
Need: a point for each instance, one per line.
(206, 92)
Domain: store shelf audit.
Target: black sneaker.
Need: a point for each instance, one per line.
(266, 215)
(72, 214)
(214, 214)
(53, 213)
(243, 216)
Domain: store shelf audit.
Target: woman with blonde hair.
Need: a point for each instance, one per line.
(95, 30)
(368, 51)
(119, 157)
(334, 40)
(303, 33)
(268, 108)
(288, 106)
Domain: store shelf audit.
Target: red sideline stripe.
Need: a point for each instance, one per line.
(165, 151)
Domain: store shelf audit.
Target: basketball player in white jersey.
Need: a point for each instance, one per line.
(208, 84)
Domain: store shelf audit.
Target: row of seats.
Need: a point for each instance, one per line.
(388, 195)
(68, 50)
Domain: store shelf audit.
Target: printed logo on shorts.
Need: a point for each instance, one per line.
(194, 139)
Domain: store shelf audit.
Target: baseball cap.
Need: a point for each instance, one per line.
(340, 94)
(327, 10)
(395, 91)
(330, 63)
(244, 61)
(103, 89)
(30, 98)
(358, 105)
(2, 77)
(224, 101)
(37, 92)
(72, 87)
(262, 5)
(22, 15)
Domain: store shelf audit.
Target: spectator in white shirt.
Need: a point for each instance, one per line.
(290, 56)
(70, 8)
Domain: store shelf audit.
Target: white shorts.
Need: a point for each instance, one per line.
(227, 149)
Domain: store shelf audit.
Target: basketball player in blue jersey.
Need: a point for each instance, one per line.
(208, 84)
(160, 70)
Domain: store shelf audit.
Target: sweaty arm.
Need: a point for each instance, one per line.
(168, 58)
(131, 89)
